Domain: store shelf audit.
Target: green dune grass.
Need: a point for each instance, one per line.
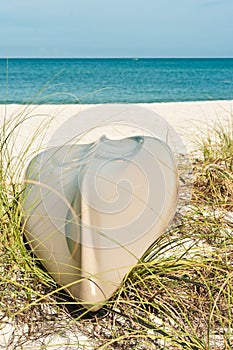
(179, 296)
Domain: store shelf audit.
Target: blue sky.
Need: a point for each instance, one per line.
(116, 28)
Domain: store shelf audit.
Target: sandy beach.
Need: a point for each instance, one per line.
(191, 120)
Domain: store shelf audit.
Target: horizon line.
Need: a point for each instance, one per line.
(115, 57)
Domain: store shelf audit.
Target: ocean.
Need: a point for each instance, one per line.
(130, 80)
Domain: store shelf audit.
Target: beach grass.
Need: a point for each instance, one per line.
(180, 294)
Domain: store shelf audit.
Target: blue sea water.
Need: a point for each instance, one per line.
(114, 80)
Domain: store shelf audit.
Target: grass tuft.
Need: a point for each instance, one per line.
(179, 296)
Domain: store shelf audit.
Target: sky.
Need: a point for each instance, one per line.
(116, 28)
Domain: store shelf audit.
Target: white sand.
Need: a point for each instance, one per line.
(191, 120)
